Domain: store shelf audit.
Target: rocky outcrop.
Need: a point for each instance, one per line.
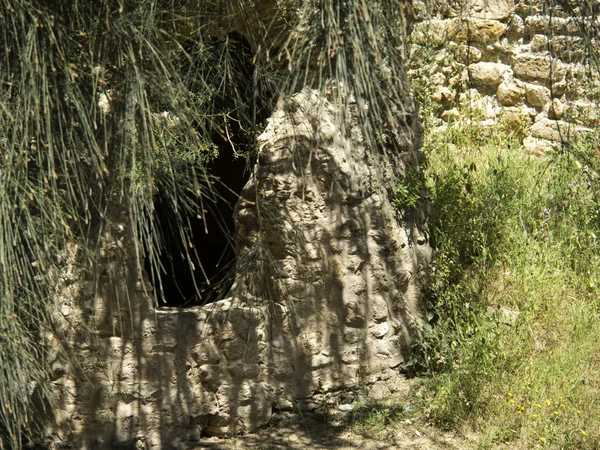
(328, 273)
(325, 305)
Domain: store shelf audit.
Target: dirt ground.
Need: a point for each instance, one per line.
(338, 430)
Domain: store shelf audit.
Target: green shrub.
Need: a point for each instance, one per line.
(513, 304)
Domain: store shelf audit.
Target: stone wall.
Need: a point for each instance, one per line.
(529, 65)
(324, 307)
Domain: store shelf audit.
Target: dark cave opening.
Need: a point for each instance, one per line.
(211, 237)
(182, 286)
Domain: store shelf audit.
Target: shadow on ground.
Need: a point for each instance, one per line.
(333, 429)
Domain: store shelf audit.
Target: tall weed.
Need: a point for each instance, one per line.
(511, 346)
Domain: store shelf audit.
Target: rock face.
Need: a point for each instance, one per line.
(326, 299)
(325, 303)
(350, 268)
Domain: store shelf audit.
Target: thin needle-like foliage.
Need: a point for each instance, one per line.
(119, 105)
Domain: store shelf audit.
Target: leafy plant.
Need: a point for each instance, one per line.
(409, 193)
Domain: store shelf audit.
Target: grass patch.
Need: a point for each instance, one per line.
(376, 416)
(511, 346)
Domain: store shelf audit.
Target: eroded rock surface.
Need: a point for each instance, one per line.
(326, 299)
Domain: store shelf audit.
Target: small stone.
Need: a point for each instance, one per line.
(537, 147)
(487, 73)
(559, 88)
(379, 391)
(450, 114)
(539, 43)
(550, 130)
(438, 79)
(536, 95)
(485, 106)
(556, 110)
(379, 308)
(65, 310)
(442, 95)
(510, 93)
(381, 347)
(354, 315)
(467, 54)
(194, 433)
(350, 356)
(516, 27)
(352, 335)
(381, 330)
(346, 407)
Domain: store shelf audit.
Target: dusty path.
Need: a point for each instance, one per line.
(336, 431)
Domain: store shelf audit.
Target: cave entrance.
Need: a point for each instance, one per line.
(178, 285)
(248, 103)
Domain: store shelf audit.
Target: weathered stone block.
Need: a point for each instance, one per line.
(539, 43)
(476, 30)
(538, 24)
(488, 74)
(516, 27)
(467, 54)
(536, 95)
(488, 9)
(537, 147)
(510, 93)
(551, 130)
(569, 49)
(529, 67)
(471, 30)
(538, 67)
(516, 119)
(450, 114)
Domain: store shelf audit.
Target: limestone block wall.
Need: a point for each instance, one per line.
(325, 304)
(527, 64)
